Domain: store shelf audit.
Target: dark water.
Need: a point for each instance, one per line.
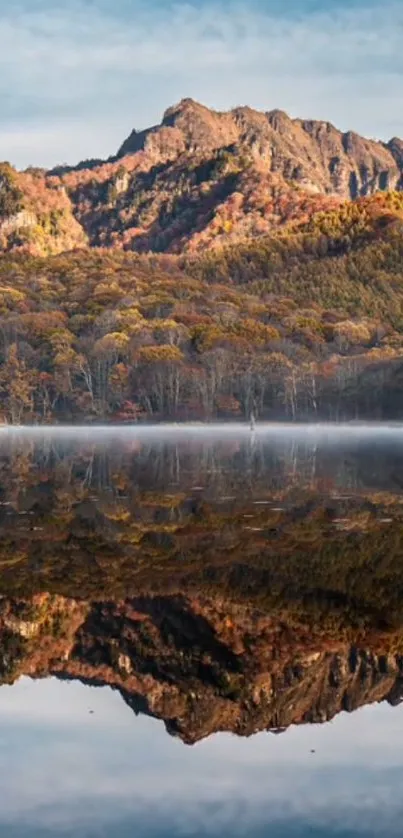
(201, 632)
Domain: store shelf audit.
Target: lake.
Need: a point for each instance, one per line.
(201, 631)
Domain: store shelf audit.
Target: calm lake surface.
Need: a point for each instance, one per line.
(201, 632)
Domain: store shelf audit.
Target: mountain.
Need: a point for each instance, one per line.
(266, 285)
(314, 154)
(198, 180)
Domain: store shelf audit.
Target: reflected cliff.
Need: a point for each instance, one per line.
(220, 585)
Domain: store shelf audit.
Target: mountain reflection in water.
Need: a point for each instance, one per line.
(221, 582)
(238, 583)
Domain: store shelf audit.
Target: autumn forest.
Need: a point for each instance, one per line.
(176, 289)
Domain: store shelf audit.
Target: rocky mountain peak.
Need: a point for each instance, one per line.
(186, 106)
(203, 177)
(313, 153)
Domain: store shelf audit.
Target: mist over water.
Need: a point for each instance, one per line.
(322, 430)
(355, 452)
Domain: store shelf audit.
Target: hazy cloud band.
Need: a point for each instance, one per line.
(73, 83)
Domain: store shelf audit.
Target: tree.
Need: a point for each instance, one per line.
(16, 387)
(160, 377)
(106, 353)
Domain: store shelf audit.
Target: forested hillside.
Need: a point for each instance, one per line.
(303, 324)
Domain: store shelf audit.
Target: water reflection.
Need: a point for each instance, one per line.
(64, 772)
(220, 583)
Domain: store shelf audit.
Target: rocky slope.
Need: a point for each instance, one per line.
(201, 665)
(36, 215)
(200, 179)
(312, 153)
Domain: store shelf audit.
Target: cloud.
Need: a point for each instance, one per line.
(74, 81)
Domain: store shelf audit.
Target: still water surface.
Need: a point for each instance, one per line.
(201, 632)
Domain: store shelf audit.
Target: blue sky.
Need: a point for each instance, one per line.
(75, 78)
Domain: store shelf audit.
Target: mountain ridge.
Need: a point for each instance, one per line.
(199, 179)
(247, 125)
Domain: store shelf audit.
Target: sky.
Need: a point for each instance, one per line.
(76, 77)
(65, 773)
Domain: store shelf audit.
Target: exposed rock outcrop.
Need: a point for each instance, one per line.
(312, 153)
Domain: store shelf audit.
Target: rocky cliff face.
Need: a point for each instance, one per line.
(200, 665)
(200, 179)
(313, 154)
(204, 179)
